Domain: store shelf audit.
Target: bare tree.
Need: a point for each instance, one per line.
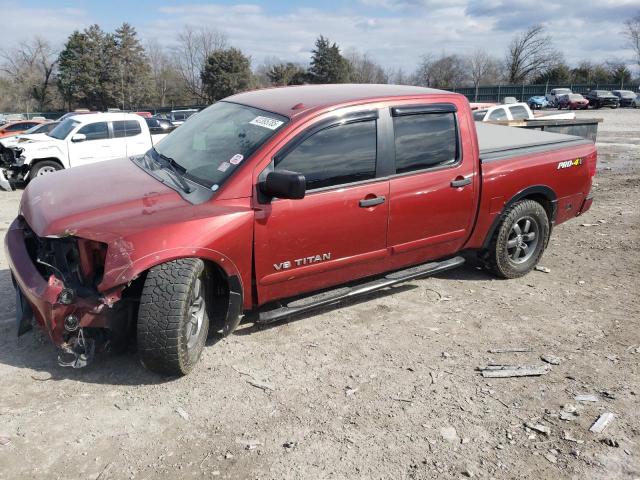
(191, 53)
(363, 69)
(482, 68)
(446, 71)
(632, 32)
(30, 66)
(529, 54)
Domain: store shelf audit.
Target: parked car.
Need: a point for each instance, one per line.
(79, 111)
(573, 101)
(159, 125)
(538, 102)
(513, 111)
(636, 101)
(82, 140)
(552, 96)
(144, 114)
(178, 117)
(626, 97)
(602, 98)
(235, 215)
(14, 128)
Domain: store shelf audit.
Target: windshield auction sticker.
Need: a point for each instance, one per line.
(224, 166)
(236, 159)
(266, 122)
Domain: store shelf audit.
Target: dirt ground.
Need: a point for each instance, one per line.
(382, 388)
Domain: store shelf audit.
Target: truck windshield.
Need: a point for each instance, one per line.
(211, 146)
(63, 129)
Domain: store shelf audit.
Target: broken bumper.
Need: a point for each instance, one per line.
(47, 299)
(4, 183)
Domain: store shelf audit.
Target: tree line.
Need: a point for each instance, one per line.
(99, 70)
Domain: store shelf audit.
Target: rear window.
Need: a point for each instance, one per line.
(126, 128)
(425, 141)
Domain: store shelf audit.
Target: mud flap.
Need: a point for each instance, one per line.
(24, 314)
(4, 183)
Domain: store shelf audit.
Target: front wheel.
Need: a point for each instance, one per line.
(45, 167)
(520, 240)
(172, 320)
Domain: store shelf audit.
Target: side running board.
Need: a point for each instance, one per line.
(343, 293)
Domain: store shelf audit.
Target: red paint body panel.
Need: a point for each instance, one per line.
(144, 223)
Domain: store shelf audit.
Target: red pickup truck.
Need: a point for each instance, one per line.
(275, 202)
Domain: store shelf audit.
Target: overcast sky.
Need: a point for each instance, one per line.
(395, 33)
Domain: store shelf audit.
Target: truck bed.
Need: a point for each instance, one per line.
(497, 142)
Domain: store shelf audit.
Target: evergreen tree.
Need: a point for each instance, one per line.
(133, 68)
(284, 74)
(327, 63)
(226, 72)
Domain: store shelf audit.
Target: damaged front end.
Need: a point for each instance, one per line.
(56, 283)
(12, 167)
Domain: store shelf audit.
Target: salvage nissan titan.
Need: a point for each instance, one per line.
(275, 202)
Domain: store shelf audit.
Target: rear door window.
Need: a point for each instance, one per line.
(95, 131)
(336, 155)
(498, 114)
(425, 141)
(518, 112)
(126, 128)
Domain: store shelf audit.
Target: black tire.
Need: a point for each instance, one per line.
(45, 167)
(502, 258)
(170, 333)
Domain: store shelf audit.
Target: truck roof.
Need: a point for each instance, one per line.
(305, 98)
(104, 117)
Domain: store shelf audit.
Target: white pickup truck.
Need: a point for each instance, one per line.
(515, 111)
(79, 140)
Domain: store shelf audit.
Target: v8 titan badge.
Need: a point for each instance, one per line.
(570, 163)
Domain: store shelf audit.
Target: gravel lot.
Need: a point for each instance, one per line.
(382, 388)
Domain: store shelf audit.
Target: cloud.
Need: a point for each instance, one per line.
(395, 33)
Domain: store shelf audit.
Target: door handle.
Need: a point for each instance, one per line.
(371, 202)
(460, 182)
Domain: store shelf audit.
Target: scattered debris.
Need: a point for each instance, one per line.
(608, 395)
(542, 269)
(510, 350)
(586, 398)
(399, 399)
(180, 411)
(568, 412)
(538, 428)
(551, 359)
(550, 457)
(249, 444)
(228, 456)
(449, 434)
(603, 422)
(613, 358)
(5, 441)
(289, 444)
(468, 472)
(570, 438)
(350, 391)
(589, 224)
(261, 385)
(503, 371)
(610, 442)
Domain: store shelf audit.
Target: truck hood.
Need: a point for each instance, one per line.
(51, 147)
(22, 138)
(102, 201)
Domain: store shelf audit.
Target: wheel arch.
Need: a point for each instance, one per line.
(542, 194)
(36, 161)
(228, 287)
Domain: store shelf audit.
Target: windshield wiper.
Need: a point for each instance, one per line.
(172, 166)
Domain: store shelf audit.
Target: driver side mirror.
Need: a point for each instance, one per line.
(284, 184)
(78, 137)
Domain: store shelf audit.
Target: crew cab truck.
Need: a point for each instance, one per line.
(80, 140)
(274, 202)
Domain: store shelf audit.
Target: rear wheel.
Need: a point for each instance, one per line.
(172, 321)
(45, 167)
(520, 240)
